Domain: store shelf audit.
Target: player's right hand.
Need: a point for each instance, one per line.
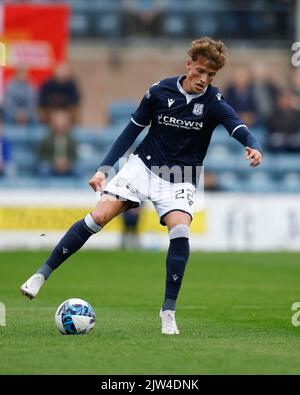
(97, 182)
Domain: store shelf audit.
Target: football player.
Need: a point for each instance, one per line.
(182, 112)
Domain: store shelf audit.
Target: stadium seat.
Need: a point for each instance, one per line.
(221, 136)
(208, 25)
(58, 182)
(229, 182)
(107, 24)
(120, 111)
(95, 138)
(24, 182)
(283, 163)
(36, 134)
(80, 24)
(261, 134)
(290, 183)
(175, 25)
(24, 158)
(260, 182)
(16, 133)
(220, 158)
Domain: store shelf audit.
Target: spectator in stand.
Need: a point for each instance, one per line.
(294, 83)
(210, 182)
(20, 100)
(284, 125)
(240, 95)
(130, 236)
(57, 152)
(60, 92)
(4, 149)
(265, 91)
(142, 18)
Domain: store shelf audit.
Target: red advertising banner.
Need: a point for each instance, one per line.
(36, 36)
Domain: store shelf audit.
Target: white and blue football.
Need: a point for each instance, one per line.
(75, 317)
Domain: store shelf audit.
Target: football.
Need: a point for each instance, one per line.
(75, 317)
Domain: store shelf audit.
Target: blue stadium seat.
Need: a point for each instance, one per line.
(16, 133)
(120, 111)
(25, 159)
(80, 24)
(176, 25)
(204, 23)
(107, 24)
(229, 182)
(286, 162)
(58, 182)
(23, 182)
(89, 136)
(87, 17)
(221, 136)
(261, 134)
(36, 134)
(260, 182)
(290, 182)
(220, 158)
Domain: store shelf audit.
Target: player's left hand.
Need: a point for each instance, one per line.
(255, 155)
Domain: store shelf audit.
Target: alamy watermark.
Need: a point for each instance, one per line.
(2, 314)
(295, 59)
(296, 316)
(178, 182)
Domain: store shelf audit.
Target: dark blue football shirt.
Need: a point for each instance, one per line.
(181, 126)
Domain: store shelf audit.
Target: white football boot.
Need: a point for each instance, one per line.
(168, 323)
(32, 286)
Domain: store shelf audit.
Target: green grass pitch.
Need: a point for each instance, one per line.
(234, 313)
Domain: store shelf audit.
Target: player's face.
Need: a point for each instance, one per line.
(199, 75)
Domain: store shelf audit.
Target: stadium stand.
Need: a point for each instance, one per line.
(180, 19)
(279, 172)
(112, 93)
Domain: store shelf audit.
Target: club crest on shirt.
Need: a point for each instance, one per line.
(198, 109)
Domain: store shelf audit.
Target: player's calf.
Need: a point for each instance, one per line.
(71, 242)
(177, 258)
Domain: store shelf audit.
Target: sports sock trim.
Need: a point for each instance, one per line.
(180, 230)
(91, 224)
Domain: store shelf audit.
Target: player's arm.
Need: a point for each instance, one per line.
(139, 120)
(118, 149)
(236, 128)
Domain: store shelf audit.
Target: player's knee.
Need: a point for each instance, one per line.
(178, 231)
(101, 218)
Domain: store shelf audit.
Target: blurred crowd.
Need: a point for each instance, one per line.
(262, 101)
(266, 20)
(56, 105)
(259, 97)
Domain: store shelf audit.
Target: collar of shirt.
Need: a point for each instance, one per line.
(189, 97)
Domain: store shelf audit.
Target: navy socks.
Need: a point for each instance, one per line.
(82, 230)
(177, 258)
(71, 242)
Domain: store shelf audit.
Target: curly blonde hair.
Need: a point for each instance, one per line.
(213, 51)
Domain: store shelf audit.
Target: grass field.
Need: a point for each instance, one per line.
(234, 313)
